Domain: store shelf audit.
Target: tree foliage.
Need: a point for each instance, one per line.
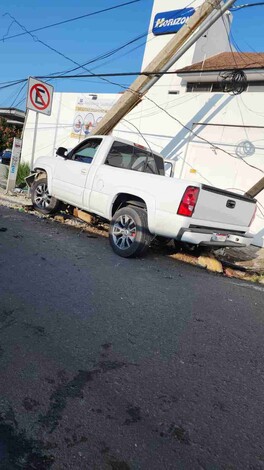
(7, 134)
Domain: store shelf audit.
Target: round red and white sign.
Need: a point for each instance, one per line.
(39, 96)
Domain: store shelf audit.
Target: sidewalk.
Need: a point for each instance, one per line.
(14, 200)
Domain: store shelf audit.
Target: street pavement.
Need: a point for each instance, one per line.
(108, 363)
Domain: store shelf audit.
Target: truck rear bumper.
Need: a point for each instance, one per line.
(210, 238)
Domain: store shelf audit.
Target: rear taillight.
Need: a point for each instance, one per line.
(253, 216)
(188, 201)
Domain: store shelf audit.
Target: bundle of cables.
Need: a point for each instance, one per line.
(234, 82)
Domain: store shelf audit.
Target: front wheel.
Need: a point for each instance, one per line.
(128, 234)
(42, 201)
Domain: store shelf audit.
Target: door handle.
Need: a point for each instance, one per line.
(83, 171)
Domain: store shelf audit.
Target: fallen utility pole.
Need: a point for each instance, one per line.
(256, 189)
(162, 62)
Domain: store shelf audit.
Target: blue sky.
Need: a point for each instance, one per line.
(87, 38)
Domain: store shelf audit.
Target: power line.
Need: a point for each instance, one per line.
(5, 38)
(114, 74)
(36, 39)
(90, 75)
(246, 5)
(106, 55)
(18, 94)
(244, 54)
(124, 54)
(13, 84)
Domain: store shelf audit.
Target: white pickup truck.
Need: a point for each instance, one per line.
(125, 183)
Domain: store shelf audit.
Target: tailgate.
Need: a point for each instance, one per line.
(218, 205)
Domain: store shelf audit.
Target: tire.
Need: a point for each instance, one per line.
(41, 199)
(129, 235)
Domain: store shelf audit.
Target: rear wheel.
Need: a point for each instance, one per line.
(129, 235)
(42, 201)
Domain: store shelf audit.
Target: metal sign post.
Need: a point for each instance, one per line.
(15, 158)
(39, 99)
(34, 142)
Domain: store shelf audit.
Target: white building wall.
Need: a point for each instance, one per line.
(56, 130)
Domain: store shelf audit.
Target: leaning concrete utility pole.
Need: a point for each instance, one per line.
(256, 189)
(167, 57)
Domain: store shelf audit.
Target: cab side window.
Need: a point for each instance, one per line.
(120, 155)
(86, 152)
(128, 157)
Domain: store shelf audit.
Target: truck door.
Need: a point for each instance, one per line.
(71, 172)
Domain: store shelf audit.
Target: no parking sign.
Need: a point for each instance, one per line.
(39, 96)
(39, 99)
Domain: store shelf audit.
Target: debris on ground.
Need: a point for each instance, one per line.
(210, 263)
(190, 259)
(241, 263)
(250, 258)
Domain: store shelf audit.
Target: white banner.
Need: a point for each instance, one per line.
(89, 110)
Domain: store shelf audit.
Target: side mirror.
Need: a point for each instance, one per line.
(169, 168)
(62, 152)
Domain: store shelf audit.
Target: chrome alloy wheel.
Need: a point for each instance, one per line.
(124, 232)
(42, 197)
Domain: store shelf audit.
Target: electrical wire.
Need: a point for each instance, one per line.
(6, 37)
(46, 146)
(35, 38)
(10, 84)
(105, 55)
(125, 53)
(216, 147)
(140, 133)
(242, 55)
(246, 5)
(114, 74)
(18, 94)
(56, 51)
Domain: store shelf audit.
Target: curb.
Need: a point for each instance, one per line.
(214, 265)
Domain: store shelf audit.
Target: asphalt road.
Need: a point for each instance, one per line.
(118, 364)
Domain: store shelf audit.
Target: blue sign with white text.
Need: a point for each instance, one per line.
(170, 22)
